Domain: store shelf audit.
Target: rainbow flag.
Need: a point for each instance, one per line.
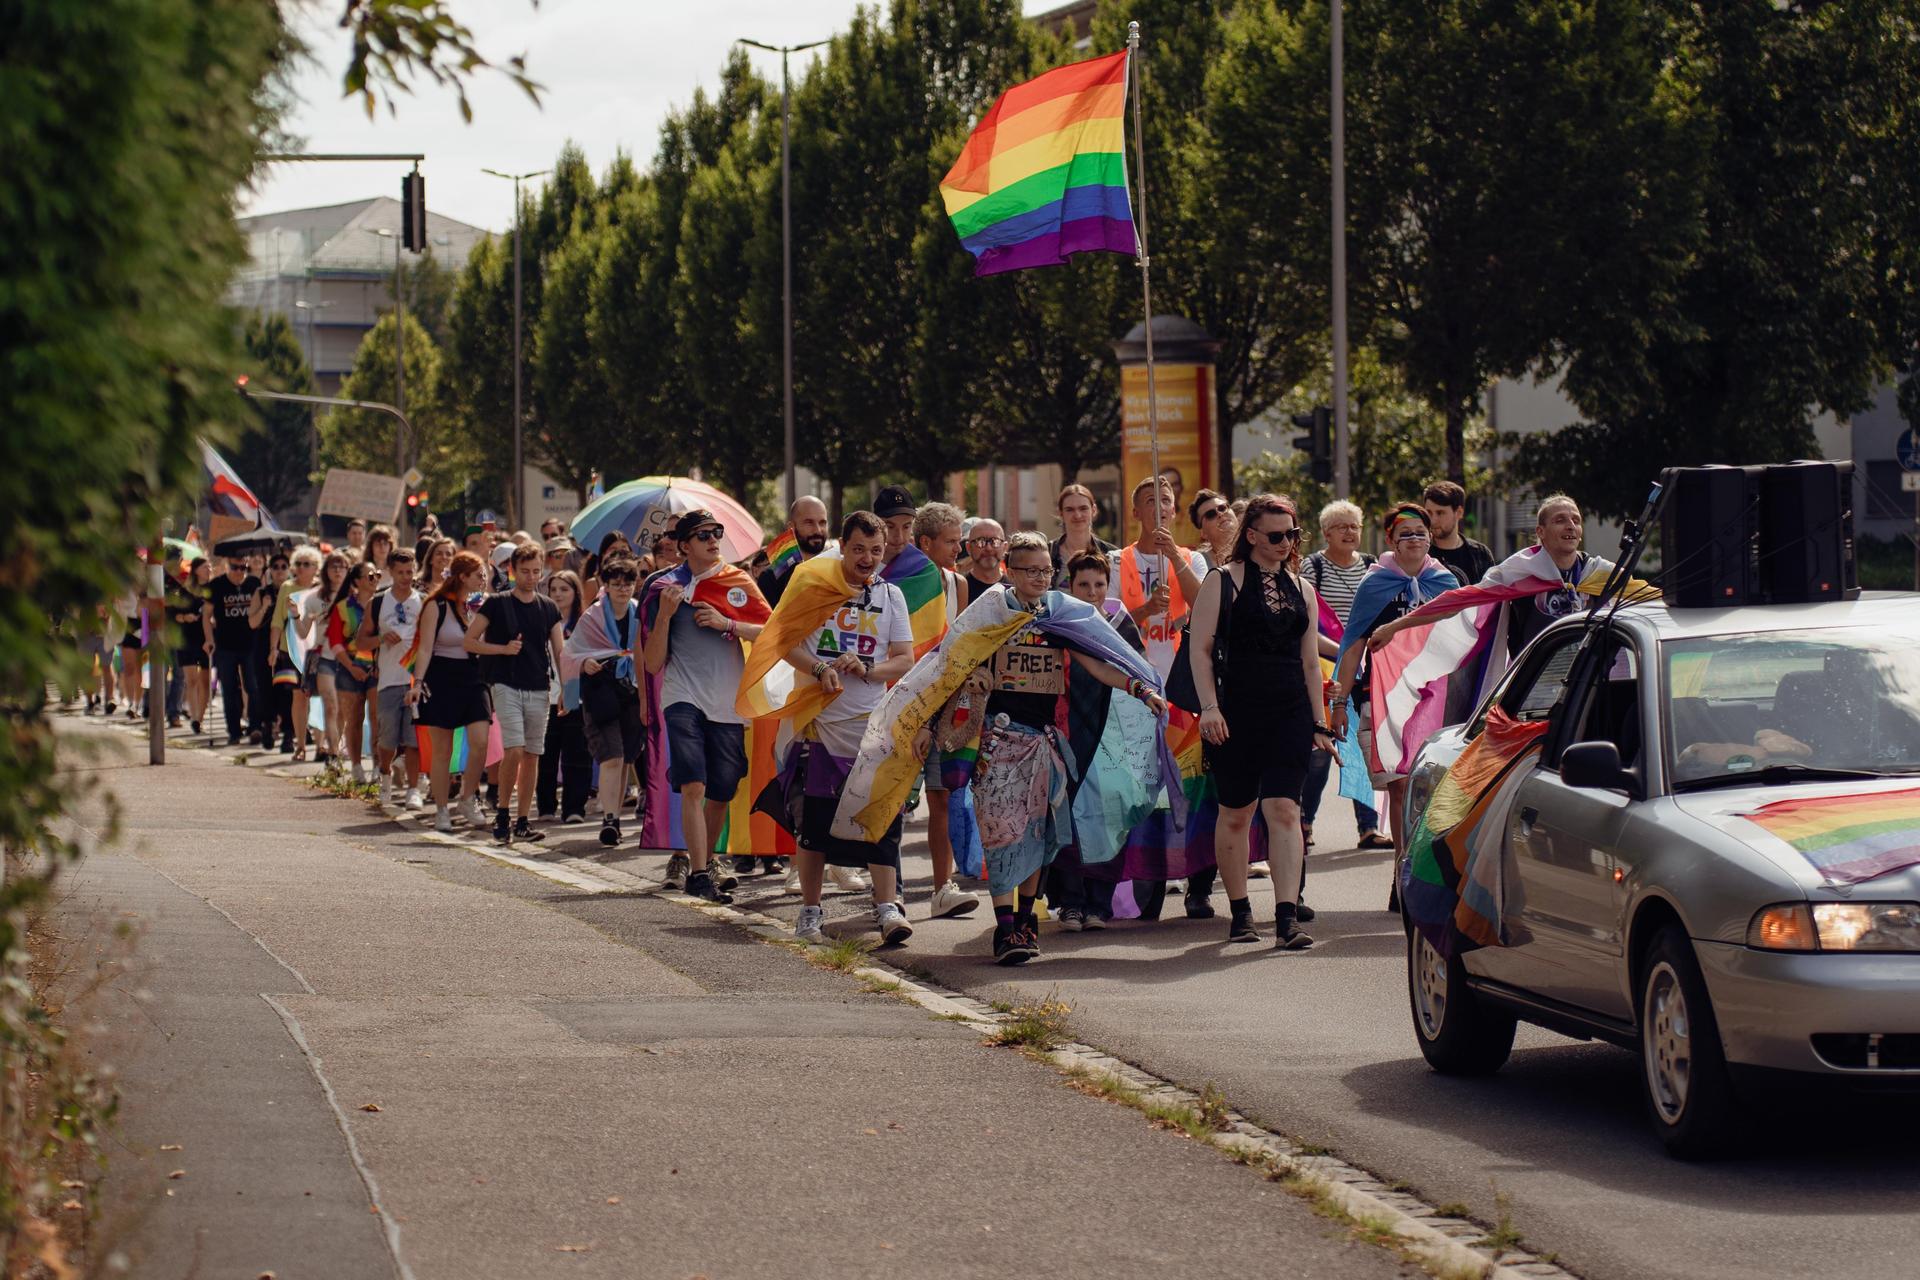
(1044, 173)
(1848, 838)
(783, 552)
(920, 583)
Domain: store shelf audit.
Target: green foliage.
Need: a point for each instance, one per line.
(395, 41)
(365, 439)
(1399, 444)
(275, 456)
(428, 285)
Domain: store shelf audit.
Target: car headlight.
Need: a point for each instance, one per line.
(1836, 926)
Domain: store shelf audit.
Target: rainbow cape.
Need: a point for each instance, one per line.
(1424, 672)
(884, 770)
(1453, 882)
(1848, 838)
(729, 589)
(920, 582)
(1044, 173)
(817, 589)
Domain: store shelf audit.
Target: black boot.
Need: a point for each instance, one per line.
(1286, 929)
(1240, 926)
(1199, 890)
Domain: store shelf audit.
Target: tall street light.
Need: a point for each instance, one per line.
(519, 465)
(399, 351)
(313, 310)
(786, 243)
(1342, 474)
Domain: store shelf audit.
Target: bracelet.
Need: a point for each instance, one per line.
(1209, 706)
(818, 667)
(730, 625)
(1336, 702)
(1136, 687)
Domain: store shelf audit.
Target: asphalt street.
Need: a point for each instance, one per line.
(348, 1049)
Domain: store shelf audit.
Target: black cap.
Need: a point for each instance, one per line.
(684, 527)
(894, 501)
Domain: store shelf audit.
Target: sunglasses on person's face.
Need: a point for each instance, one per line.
(1212, 513)
(707, 535)
(1279, 537)
(986, 542)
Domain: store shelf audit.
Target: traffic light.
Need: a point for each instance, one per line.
(1317, 444)
(413, 212)
(417, 498)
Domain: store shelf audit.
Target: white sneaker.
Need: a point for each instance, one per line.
(413, 800)
(792, 883)
(848, 879)
(1259, 871)
(678, 865)
(359, 774)
(443, 822)
(807, 927)
(469, 809)
(394, 792)
(951, 900)
(892, 923)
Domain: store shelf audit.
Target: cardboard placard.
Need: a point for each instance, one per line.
(220, 527)
(365, 494)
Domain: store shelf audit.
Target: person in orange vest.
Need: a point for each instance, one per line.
(1156, 576)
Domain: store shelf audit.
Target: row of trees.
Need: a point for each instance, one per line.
(1700, 217)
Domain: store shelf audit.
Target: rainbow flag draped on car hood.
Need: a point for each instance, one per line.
(1463, 652)
(1848, 838)
(1044, 173)
(1453, 882)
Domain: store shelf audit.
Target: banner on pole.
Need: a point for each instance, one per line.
(1183, 394)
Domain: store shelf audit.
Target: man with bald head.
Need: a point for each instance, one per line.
(808, 520)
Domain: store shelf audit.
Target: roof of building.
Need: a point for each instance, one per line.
(344, 239)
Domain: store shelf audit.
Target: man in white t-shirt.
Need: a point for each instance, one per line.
(863, 646)
(392, 621)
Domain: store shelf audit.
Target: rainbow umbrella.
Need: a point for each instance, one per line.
(642, 508)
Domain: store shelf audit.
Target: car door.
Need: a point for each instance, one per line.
(1533, 694)
(1565, 842)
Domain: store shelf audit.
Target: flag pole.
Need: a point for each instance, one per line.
(1146, 264)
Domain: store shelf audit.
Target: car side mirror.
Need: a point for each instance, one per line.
(1594, 766)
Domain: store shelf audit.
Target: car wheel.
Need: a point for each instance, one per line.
(1683, 1066)
(1460, 1034)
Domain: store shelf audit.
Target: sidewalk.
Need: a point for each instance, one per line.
(575, 1082)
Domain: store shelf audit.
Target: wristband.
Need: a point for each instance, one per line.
(818, 668)
(1211, 706)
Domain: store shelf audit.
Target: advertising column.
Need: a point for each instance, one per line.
(1189, 437)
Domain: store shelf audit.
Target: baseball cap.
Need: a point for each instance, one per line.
(559, 542)
(698, 518)
(894, 501)
(503, 553)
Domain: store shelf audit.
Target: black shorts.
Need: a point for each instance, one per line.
(816, 835)
(454, 696)
(191, 657)
(1265, 758)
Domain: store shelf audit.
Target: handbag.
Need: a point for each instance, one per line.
(605, 696)
(1180, 687)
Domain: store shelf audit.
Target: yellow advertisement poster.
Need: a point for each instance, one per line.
(1183, 394)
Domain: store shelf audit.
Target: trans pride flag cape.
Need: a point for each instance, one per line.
(883, 772)
(1453, 882)
(729, 589)
(1463, 652)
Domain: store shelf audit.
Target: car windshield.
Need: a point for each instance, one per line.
(1785, 702)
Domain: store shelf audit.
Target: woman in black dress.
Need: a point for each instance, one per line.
(1262, 717)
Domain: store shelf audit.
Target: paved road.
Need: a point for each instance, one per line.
(1319, 1045)
(558, 1082)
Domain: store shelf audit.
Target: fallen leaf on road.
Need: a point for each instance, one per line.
(371, 1106)
(479, 1182)
(71, 1205)
(178, 1173)
(871, 1133)
(171, 1146)
(373, 1208)
(896, 1125)
(573, 1248)
(71, 1183)
(613, 1199)
(885, 1245)
(169, 1190)
(265, 1275)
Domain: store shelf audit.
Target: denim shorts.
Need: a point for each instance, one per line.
(396, 720)
(343, 681)
(698, 750)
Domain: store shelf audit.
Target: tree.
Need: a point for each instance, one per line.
(477, 368)
(1797, 292)
(364, 439)
(428, 285)
(579, 416)
(1512, 175)
(276, 455)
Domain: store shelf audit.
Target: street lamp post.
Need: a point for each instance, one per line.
(786, 247)
(399, 350)
(313, 428)
(1342, 473)
(519, 466)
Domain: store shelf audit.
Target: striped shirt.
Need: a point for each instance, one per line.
(1336, 585)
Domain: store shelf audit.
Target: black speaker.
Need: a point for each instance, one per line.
(1806, 545)
(1710, 536)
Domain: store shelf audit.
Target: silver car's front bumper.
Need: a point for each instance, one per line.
(1771, 1004)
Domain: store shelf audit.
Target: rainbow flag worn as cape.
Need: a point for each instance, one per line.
(1044, 173)
(1452, 884)
(729, 589)
(1464, 650)
(920, 582)
(1848, 838)
(818, 589)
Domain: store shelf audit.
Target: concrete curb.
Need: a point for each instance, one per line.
(1446, 1246)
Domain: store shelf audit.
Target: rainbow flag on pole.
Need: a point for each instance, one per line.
(783, 552)
(1044, 173)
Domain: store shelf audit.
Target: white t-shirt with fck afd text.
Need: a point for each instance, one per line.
(871, 621)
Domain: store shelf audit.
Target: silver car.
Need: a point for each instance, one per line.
(1650, 896)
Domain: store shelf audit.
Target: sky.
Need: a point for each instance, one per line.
(612, 71)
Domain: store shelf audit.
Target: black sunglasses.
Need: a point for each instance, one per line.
(1275, 539)
(1212, 513)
